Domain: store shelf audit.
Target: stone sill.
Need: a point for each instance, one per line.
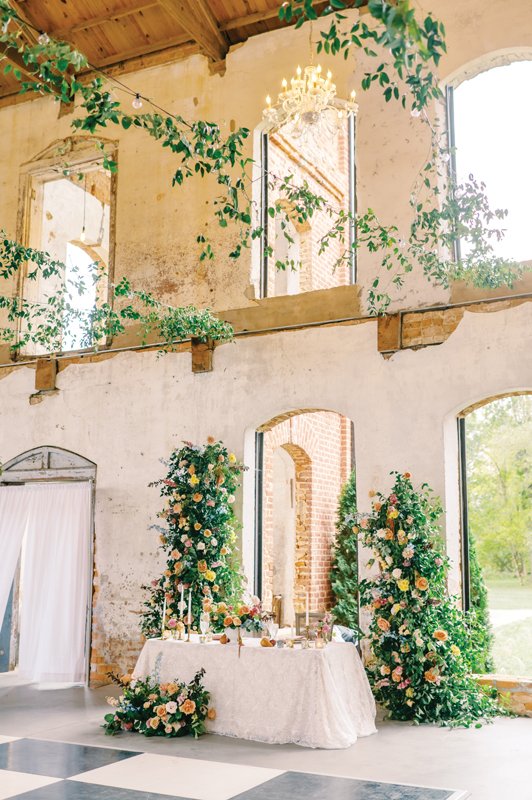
(462, 292)
(505, 682)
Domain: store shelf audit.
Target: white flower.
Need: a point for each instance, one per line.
(381, 533)
(389, 560)
(214, 542)
(200, 546)
(397, 573)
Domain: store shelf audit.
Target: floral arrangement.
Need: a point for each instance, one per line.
(324, 626)
(236, 615)
(199, 533)
(159, 709)
(422, 643)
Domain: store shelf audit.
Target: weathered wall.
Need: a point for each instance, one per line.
(125, 413)
(156, 225)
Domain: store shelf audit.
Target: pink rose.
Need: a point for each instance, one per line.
(393, 499)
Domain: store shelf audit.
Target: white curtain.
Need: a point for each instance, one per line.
(55, 574)
(13, 524)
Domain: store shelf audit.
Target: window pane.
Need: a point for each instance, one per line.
(493, 121)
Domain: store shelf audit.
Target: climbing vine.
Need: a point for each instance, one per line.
(405, 51)
(49, 322)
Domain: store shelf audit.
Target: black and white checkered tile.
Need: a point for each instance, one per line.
(32, 769)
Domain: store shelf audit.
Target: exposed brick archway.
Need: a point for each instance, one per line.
(320, 447)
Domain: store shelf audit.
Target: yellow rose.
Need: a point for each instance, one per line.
(194, 480)
(409, 692)
(210, 575)
(455, 650)
(393, 514)
(232, 458)
(403, 585)
(197, 526)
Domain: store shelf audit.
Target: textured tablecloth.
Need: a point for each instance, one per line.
(314, 698)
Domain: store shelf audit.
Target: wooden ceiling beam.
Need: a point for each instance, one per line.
(265, 16)
(141, 50)
(197, 19)
(114, 14)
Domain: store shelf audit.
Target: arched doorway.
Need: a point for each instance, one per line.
(495, 446)
(303, 458)
(47, 498)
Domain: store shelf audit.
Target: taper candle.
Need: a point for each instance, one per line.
(163, 623)
(189, 609)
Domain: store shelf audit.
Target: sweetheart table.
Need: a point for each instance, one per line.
(314, 698)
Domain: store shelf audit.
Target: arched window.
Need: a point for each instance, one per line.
(490, 120)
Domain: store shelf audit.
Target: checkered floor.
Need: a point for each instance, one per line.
(32, 769)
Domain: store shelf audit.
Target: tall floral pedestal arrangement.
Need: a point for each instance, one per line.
(198, 537)
(422, 643)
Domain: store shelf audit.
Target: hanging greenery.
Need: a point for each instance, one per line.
(344, 570)
(199, 536)
(441, 210)
(422, 644)
(49, 322)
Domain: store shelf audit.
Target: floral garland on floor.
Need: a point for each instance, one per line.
(422, 643)
(199, 537)
(159, 709)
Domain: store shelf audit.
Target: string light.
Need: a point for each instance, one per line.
(137, 102)
(44, 39)
(415, 113)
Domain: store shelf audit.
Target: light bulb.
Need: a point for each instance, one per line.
(268, 100)
(353, 94)
(284, 84)
(319, 69)
(83, 235)
(298, 72)
(43, 39)
(446, 157)
(137, 102)
(329, 75)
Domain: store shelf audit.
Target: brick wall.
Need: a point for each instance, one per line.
(326, 170)
(319, 443)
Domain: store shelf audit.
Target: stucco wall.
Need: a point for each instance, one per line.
(156, 225)
(127, 412)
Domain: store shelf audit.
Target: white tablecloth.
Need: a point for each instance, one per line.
(314, 698)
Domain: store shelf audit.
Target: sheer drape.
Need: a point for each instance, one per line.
(14, 516)
(54, 579)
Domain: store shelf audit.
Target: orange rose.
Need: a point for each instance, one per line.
(160, 711)
(377, 507)
(389, 534)
(192, 469)
(207, 532)
(197, 497)
(211, 713)
(237, 622)
(243, 610)
(440, 635)
(383, 624)
(197, 526)
(171, 688)
(202, 566)
(431, 675)
(422, 584)
(178, 508)
(188, 707)
(228, 621)
(406, 475)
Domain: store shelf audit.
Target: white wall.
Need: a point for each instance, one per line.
(127, 412)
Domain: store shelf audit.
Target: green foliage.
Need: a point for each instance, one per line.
(344, 571)
(199, 537)
(415, 47)
(159, 709)
(48, 323)
(499, 459)
(422, 642)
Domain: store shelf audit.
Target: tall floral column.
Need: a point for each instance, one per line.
(199, 533)
(422, 643)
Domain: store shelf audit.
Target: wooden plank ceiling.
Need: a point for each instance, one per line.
(124, 35)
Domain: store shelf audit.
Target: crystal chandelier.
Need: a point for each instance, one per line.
(309, 105)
